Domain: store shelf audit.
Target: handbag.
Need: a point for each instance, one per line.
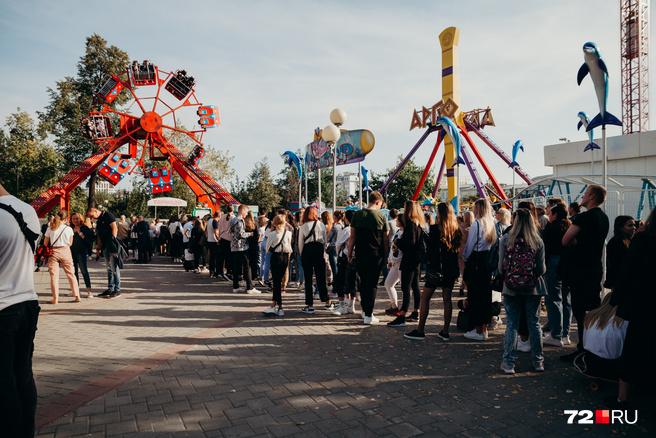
(48, 249)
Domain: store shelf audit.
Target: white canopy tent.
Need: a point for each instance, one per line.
(166, 202)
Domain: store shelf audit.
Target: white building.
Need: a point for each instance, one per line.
(103, 186)
(348, 182)
(631, 160)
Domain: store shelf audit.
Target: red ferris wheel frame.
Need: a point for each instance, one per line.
(144, 134)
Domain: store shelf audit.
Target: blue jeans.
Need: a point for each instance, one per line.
(265, 260)
(80, 264)
(113, 271)
(300, 276)
(530, 306)
(559, 309)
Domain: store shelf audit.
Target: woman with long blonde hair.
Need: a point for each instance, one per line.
(59, 237)
(522, 265)
(410, 246)
(445, 239)
(482, 235)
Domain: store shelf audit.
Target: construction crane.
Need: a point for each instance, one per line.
(634, 50)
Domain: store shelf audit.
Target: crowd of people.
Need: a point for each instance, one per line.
(511, 264)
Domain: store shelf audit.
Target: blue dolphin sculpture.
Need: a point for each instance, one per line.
(451, 130)
(515, 150)
(585, 122)
(291, 159)
(596, 66)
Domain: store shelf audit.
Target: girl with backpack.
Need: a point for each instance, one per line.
(411, 245)
(444, 241)
(521, 263)
(279, 246)
(477, 275)
(312, 245)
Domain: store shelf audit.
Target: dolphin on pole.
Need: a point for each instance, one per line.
(596, 67)
(584, 121)
(291, 159)
(518, 146)
(451, 130)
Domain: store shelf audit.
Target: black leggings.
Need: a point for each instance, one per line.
(279, 264)
(345, 279)
(479, 289)
(312, 259)
(410, 279)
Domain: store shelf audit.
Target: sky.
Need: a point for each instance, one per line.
(276, 69)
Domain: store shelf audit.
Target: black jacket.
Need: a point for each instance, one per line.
(409, 244)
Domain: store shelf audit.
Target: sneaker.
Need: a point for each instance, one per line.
(370, 320)
(340, 309)
(507, 369)
(399, 321)
(116, 293)
(253, 291)
(566, 340)
(539, 368)
(415, 335)
(474, 335)
(549, 340)
(414, 316)
(443, 335)
(261, 282)
(88, 292)
(270, 311)
(329, 306)
(238, 290)
(308, 309)
(104, 294)
(493, 323)
(391, 311)
(523, 346)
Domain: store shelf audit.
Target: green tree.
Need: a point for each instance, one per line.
(28, 165)
(73, 98)
(404, 185)
(260, 189)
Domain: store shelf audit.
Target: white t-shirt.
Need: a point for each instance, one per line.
(61, 237)
(608, 342)
(186, 231)
(173, 226)
(16, 256)
(209, 229)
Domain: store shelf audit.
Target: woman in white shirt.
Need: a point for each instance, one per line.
(477, 273)
(279, 246)
(394, 265)
(59, 237)
(312, 245)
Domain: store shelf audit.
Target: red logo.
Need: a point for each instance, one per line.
(602, 416)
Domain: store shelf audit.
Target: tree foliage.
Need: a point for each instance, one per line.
(404, 185)
(73, 97)
(259, 189)
(28, 165)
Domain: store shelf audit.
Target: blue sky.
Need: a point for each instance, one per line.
(276, 69)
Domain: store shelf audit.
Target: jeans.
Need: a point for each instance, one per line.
(369, 271)
(410, 280)
(265, 260)
(300, 275)
(391, 279)
(80, 264)
(279, 264)
(559, 310)
(332, 260)
(213, 248)
(225, 257)
(528, 305)
(241, 266)
(113, 271)
(17, 389)
(313, 260)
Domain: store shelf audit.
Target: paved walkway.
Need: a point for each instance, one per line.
(179, 355)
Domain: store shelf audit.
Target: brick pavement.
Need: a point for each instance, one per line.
(179, 355)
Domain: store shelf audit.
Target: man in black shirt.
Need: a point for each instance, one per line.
(587, 236)
(107, 230)
(369, 239)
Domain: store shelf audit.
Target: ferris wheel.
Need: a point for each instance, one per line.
(143, 131)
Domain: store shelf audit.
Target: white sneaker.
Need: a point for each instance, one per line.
(548, 340)
(474, 335)
(238, 290)
(370, 320)
(567, 341)
(523, 346)
(271, 311)
(253, 291)
(340, 309)
(507, 369)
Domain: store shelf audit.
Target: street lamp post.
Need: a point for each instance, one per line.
(330, 134)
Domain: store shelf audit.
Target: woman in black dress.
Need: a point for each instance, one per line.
(445, 239)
